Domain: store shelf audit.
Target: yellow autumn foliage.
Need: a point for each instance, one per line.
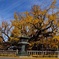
(56, 37)
(36, 20)
(16, 32)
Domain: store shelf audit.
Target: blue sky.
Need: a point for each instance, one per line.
(8, 7)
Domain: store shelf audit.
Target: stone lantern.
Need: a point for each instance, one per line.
(23, 43)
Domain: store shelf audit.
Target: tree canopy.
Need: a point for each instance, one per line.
(39, 26)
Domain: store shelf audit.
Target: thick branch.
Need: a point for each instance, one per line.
(2, 38)
(6, 35)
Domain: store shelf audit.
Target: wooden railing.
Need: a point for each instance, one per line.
(43, 53)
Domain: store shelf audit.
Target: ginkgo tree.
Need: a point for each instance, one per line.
(37, 26)
(5, 30)
(5, 33)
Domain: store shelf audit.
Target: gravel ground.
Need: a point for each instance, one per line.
(25, 58)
